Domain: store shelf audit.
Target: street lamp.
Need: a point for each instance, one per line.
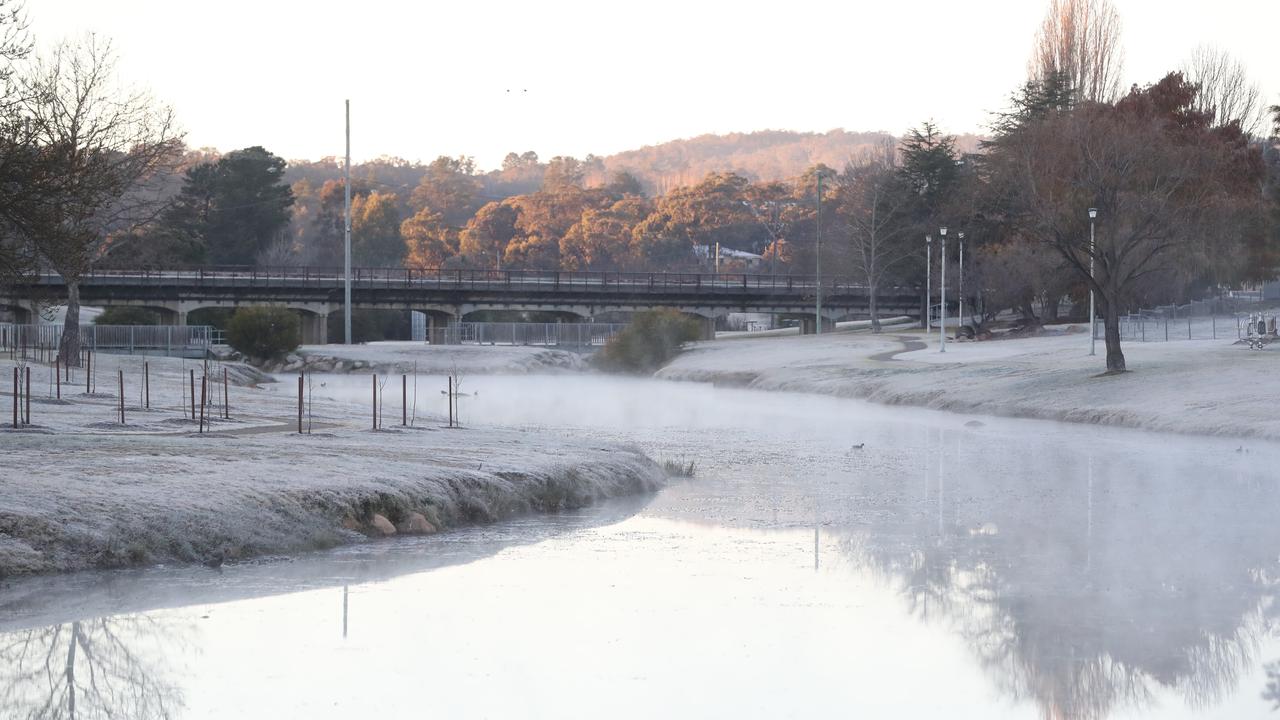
(942, 301)
(1093, 323)
(928, 281)
(960, 316)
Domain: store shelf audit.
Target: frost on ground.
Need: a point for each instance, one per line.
(1211, 387)
(80, 490)
(403, 357)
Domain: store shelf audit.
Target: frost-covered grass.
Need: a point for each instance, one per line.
(402, 357)
(1211, 387)
(80, 490)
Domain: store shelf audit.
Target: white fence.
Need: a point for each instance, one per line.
(41, 341)
(542, 334)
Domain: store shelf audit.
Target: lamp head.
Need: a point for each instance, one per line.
(928, 239)
(960, 234)
(1093, 213)
(943, 231)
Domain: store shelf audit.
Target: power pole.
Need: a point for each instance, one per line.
(346, 221)
(818, 263)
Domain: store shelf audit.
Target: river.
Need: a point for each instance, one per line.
(829, 557)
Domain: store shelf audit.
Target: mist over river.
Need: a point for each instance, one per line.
(829, 558)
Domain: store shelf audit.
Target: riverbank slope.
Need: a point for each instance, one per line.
(81, 489)
(1205, 387)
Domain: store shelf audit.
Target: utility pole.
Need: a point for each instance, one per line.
(346, 222)
(1093, 323)
(818, 259)
(928, 281)
(942, 324)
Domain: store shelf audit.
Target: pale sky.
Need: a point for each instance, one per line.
(572, 78)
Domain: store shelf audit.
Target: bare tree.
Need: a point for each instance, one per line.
(1160, 193)
(874, 210)
(92, 669)
(1079, 41)
(102, 147)
(1226, 93)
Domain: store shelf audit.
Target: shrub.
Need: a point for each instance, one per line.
(649, 342)
(125, 315)
(264, 332)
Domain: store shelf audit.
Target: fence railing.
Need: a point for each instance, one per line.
(1214, 319)
(41, 341)
(512, 333)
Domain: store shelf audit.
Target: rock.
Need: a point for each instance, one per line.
(339, 366)
(349, 523)
(974, 424)
(293, 359)
(417, 524)
(381, 525)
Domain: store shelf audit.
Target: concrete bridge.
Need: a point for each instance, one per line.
(449, 296)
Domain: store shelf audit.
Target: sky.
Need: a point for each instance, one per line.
(477, 78)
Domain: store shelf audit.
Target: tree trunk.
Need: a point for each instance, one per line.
(873, 306)
(1051, 302)
(71, 670)
(69, 345)
(1111, 321)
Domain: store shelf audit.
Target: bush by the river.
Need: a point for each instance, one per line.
(126, 315)
(263, 333)
(651, 340)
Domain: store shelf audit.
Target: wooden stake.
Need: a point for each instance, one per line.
(121, 397)
(28, 395)
(450, 401)
(204, 396)
(88, 363)
(15, 398)
(299, 403)
(193, 393)
(404, 400)
(375, 401)
(57, 373)
(146, 384)
(226, 396)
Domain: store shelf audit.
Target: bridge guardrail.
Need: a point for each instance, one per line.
(473, 279)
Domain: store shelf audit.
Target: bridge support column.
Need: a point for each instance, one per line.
(438, 328)
(707, 327)
(181, 318)
(809, 326)
(315, 328)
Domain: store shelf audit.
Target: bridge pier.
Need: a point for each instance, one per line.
(315, 328)
(707, 326)
(809, 326)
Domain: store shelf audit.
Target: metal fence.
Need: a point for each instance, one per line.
(1215, 319)
(512, 333)
(41, 341)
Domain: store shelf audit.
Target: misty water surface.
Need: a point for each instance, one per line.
(950, 566)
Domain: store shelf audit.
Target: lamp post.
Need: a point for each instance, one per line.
(1093, 329)
(960, 315)
(942, 301)
(928, 281)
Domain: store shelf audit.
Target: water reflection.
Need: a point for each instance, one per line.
(1086, 584)
(99, 668)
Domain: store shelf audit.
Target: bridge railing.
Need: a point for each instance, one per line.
(475, 279)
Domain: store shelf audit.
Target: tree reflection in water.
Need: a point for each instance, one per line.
(1088, 590)
(95, 668)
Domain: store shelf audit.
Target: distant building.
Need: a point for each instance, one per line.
(729, 257)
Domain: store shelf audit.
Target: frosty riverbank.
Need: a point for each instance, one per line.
(82, 490)
(1210, 387)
